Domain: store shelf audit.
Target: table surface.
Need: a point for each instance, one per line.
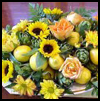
(12, 12)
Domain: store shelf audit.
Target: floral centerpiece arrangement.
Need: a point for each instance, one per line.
(50, 52)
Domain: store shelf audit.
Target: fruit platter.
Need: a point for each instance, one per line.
(52, 54)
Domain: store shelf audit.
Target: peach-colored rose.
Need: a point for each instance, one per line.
(71, 68)
(62, 29)
(75, 18)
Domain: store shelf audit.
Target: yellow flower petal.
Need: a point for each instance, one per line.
(7, 65)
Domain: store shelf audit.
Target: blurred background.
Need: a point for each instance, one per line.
(12, 12)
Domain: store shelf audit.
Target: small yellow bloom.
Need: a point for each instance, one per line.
(50, 90)
(9, 42)
(15, 39)
(7, 70)
(47, 10)
(49, 48)
(24, 87)
(22, 26)
(38, 30)
(54, 11)
(92, 38)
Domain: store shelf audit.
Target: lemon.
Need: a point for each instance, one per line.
(74, 38)
(19, 51)
(85, 77)
(56, 62)
(33, 63)
(48, 74)
(94, 56)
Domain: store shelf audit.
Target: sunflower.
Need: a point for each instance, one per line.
(92, 38)
(24, 87)
(38, 30)
(49, 48)
(7, 70)
(50, 90)
(21, 26)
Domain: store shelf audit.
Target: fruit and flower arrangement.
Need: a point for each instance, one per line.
(50, 52)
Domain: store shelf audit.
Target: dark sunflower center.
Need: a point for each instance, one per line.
(48, 49)
(6, 70)
(37, 31)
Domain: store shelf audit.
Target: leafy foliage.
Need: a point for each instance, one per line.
(40, 60)
(23, 69)
(8, 28)
(5, 55)
(94, 85)
(11, 85)
(31, 52)
(85, 13)
(36, 11)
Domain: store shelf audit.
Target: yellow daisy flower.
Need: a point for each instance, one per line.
(7, 70)
(92, 38)
(50, 90)
(38, 30)
(24, 87)
(47, 10)
(49, 48)
(56, 11)
(9, 42)
(21, 26)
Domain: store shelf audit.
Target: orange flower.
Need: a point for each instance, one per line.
(71, 68)
(61, 30)
(96, 17)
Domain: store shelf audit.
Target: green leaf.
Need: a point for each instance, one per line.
(31, 7)
(88, 86)
(68, 91)
(85, 13)
(37, 76)
(31, 52)
(40, 60)
(8, 28)
(95, 83)
(11, 85)
(12, 58)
